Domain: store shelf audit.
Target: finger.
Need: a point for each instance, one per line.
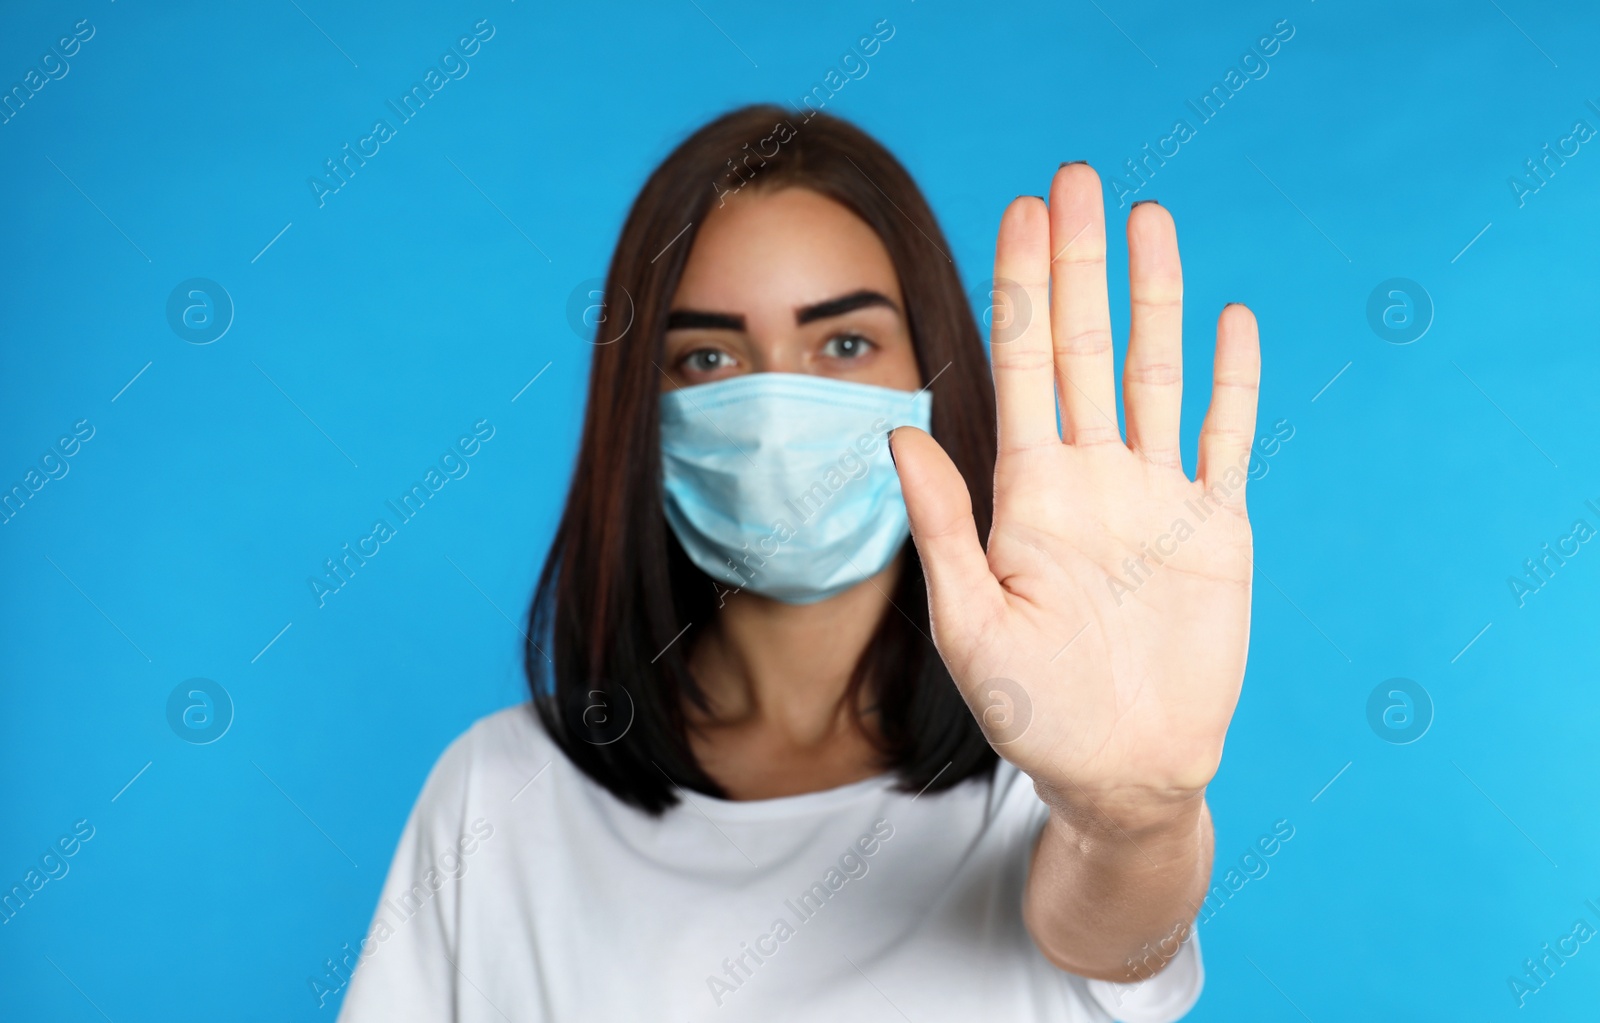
(1229, 430)
(1152, 378)
(963, 593)
(1080, 317)
(1020, 337)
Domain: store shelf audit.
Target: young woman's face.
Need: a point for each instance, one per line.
(788, 282)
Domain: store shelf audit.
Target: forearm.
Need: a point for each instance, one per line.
(1116, 883)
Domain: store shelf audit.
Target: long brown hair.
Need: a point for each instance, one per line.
(606, 663)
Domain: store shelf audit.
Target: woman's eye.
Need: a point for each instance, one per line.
(707, 360)
(847, 346)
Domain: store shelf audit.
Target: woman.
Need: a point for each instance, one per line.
(779, 763)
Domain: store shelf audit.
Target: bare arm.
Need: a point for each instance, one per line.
(1115, 886)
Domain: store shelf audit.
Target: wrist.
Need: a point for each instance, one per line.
(1141, 813)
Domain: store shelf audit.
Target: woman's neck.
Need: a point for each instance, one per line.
(775, 676)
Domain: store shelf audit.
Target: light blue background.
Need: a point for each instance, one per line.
(413, 304)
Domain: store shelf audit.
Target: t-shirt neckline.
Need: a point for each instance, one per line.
(779, 807)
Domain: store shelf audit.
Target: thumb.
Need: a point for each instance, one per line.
(962, 592)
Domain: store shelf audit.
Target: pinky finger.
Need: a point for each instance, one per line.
(1229, 430)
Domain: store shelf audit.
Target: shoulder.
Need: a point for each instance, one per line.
(489, 761)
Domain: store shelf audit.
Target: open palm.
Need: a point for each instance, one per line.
(1101, 638)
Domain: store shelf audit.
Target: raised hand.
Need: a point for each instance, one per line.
(1101, 639)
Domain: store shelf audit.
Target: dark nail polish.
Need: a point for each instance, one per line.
(888, 439)
(1070, 163)
(1141, 202)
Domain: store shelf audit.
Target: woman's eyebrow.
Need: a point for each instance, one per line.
(692, 319)
(843, 304)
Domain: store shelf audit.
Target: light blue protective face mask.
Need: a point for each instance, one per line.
(782, 484)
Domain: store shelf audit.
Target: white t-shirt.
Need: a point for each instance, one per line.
(522, 891)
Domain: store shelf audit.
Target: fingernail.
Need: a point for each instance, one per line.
(1141, 202)
(1069, 163)
(1038, 197)
(888, 441)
